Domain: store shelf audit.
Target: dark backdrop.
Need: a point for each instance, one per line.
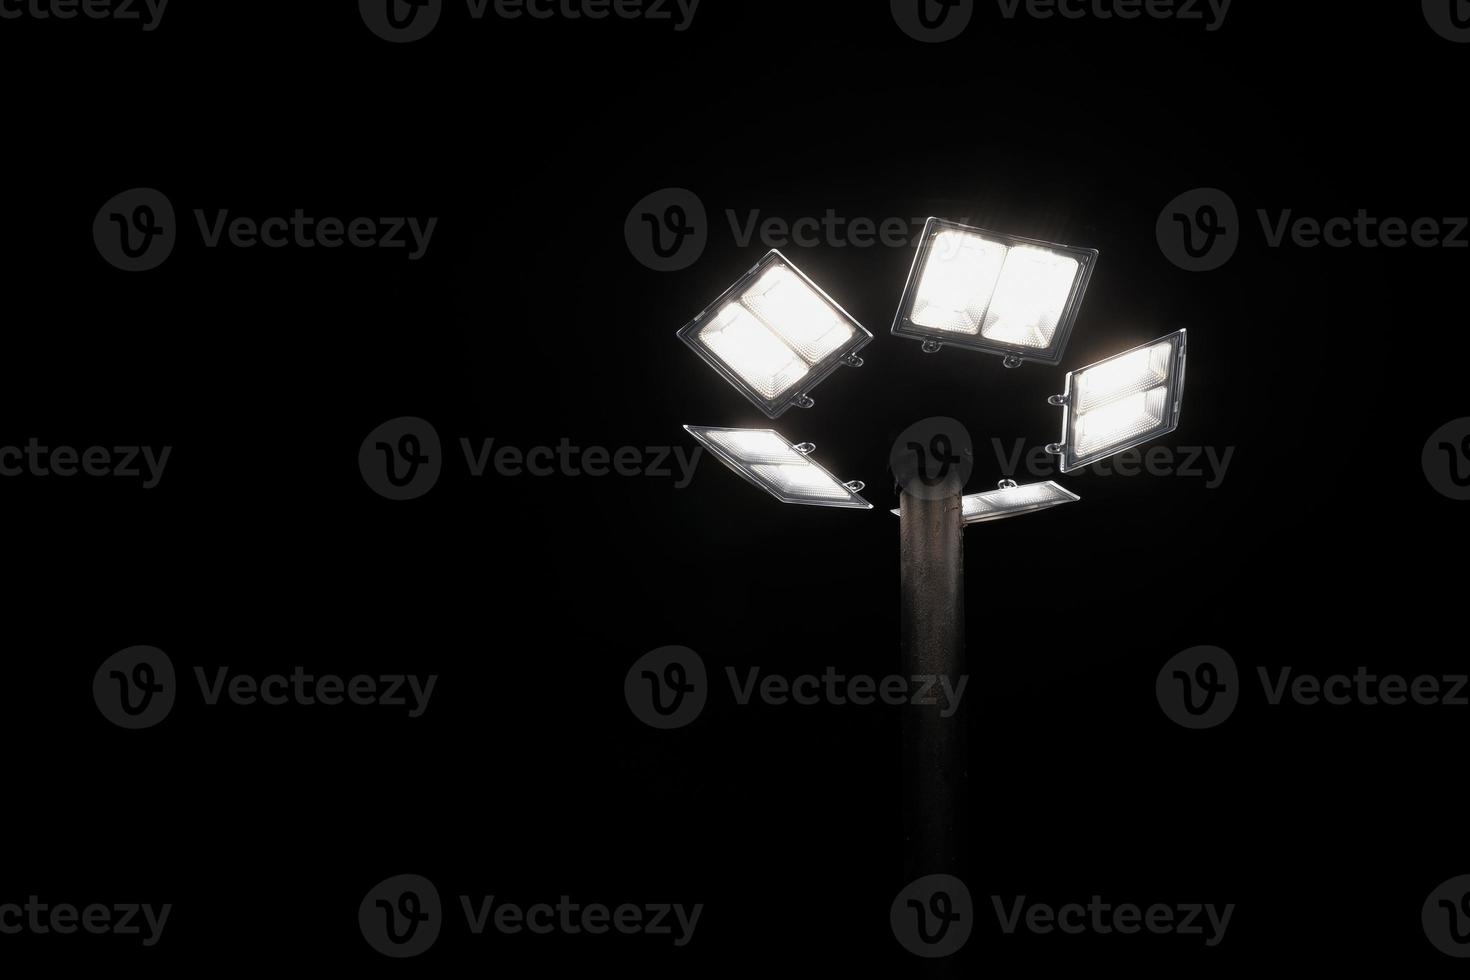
(529, 320)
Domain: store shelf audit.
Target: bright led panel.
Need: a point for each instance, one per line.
(1122, 402)
(1012, 501)
(994, 293)
(775, 335)
(766, 459)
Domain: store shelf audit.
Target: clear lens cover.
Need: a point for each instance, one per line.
(774, 335)
(765, 458)
(995, 505)
(995, 293)
(1123, 401)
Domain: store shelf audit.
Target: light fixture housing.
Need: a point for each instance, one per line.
(981, 290)
(1010, 500)
(775, 335)
(765, 458)
(1122, 402)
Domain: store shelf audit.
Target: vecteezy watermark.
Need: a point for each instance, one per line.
(135, 688)
(1200, 687)
(1207, 463)
(147, 13)
(1450, 19)
(834, 688)
(1446, 917)
(38, 918)
(1200, 230)
(933, 916)
(668, 688)
(402, 460)
(402, 916)
(1446, 459)
(136, 231)
(934, 21)
(669, 230)
(402, 21)
(829, 230)
(932, 458)
(1362, 687)
(1101, 918)
(123, 462)
(1210, 13)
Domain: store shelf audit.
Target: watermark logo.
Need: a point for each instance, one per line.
(1207, 463)
(135, 230)
(933, 21)
(1446, 459)
(38, 918)
(837, 689)
(1199, 687)
(1199, 230)
(667, 688)
(573, 918)
(135, 688)
(401, 459)
(1363, 687)
(1446, 917)
(1450, 19)
(932, 458)
(401, 916)
(400, 21)
(124, 462)
(148, 13)
(933, 916)
(1211, 13)
(1102, 918)
(668, 230)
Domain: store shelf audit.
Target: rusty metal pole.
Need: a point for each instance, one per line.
(932, 608)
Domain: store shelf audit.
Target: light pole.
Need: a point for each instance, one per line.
(931, 553)
(775, 334)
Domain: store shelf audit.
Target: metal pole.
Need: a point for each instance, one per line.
(932, 574)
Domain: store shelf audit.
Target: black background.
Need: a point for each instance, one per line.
(529, 321)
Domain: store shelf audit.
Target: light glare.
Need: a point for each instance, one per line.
(775, 335)
(1134, 371)
(1031, 297)
(801, 480)
(764, 457)
(1123, 401)
(753, 352)
(958, 280)
(797, 314)
(1012, 501)
(1120, 420)
(995, 293)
